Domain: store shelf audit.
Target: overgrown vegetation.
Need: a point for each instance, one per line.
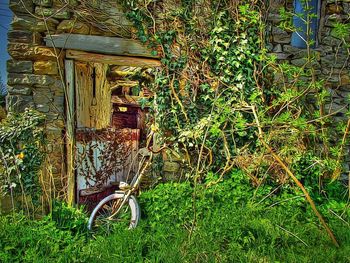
(235, 223)
(244, 125)
(22, 153)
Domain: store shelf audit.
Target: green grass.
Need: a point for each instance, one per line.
(230, 225)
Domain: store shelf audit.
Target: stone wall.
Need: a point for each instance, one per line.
(35, 71)
(331, 56)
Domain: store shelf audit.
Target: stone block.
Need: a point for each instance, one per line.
(23, 66)
(45, 3)
(23, 51)
(26, 22)
(331, 61)
(73, 26)
(331, 41)
(280, 56)
(277, 48)
(60, 3)
(58, 102)
(45, 68)
(345, 79)
(21, 6)
(39, 98)
(30, 79)
(52, 12)
(44, 108)
(24, 37)
(335, 8)
(19, 103)
(280, 36)
(274, 18)
(19, 90)
(171, 167)
(330, 20)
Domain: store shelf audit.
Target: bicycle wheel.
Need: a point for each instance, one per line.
(103, 215)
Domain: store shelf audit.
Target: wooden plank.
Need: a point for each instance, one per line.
(113, 60)
(102, 110)
(70, 138)
(99, 44)
(84, 93)
(93, 100)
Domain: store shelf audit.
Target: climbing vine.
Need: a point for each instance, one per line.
(219, 88)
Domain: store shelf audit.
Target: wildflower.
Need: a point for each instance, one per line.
(20, 156)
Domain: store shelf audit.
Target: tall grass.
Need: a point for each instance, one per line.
(227, 222)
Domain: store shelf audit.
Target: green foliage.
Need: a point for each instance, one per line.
(21, 147)
(227, 221)
(68, 218)
(24, 240)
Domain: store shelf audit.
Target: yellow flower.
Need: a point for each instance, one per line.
(20, 156)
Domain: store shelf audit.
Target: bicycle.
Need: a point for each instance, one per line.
(122, 205)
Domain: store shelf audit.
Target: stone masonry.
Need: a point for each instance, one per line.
(35, 71)
(331, 63)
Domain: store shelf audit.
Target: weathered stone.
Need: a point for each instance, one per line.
(30, 23)
(280, 36)
(280, 56)
(45, 68)
(51, 12)
(277, 48)
(331, 41)
(27, 51)
(171, 166)
(324, 50)
(334, 9)
(274, 18)
(19, 103)
(346, 7)
(73, 26)
(275, 5)
(24, 37)
(29, 79)
(19, 66)
(45, 3)
(60, 3)
(21, 6)
(58, 102)
(331, 61)
(19, 90)
(44, 108)
(345, 79)
(332, 19)
(299, 62)
(41, 99)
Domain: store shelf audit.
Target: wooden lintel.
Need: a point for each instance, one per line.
(113, 60)
(99, 44)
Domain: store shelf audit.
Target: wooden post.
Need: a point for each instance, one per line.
(70, 127)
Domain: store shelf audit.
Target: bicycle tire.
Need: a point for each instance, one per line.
(107, 206)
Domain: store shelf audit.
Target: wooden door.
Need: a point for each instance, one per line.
(103, 153)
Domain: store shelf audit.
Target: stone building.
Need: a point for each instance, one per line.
(60, 53)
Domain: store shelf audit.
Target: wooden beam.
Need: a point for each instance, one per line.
(99, 44)
(113, 60)
(70, 126)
